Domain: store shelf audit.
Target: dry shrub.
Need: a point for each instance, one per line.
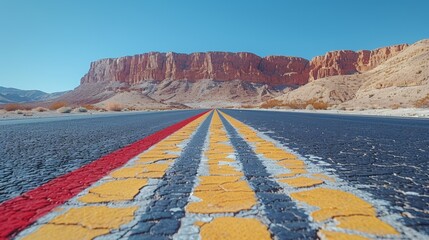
(133, 108)
(90, 107)
(422, 103)
(64, 110)
(13, 107)
(247, 106)
(80, 109)
(295, 104)
(318, 105)
(40, 109)
(272, 103)
(114, 107)
(395, 106)
(57, 105)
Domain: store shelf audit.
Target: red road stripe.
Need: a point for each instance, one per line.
(18, 213)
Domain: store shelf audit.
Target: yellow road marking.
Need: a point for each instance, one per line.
(222, 202)
(223, 170)
(323, 177)
(221, 194)
(329, 235)
(84, 223)
(368, 224)
(332, 203)
(120, 190)
(154, 170)
(346, 208)
(234, 228)
(94, 217)
(223, 190)
(300, 182)
(152, 157)
(65, 232)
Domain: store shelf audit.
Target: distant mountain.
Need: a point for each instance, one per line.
(13, 95)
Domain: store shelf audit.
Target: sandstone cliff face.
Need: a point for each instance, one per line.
(349, 62)
(222, 66)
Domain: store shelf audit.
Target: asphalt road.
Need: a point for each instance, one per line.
(34, 151)
(387, 157)
(226, 174)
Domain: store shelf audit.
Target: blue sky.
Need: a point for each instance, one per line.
(49, 44)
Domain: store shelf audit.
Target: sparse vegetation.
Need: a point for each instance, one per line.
(116, 107)
(395, 106)
(309, 107)
(422, 103)
(40, 109)
(57, 105)
(64, 110)
(274, 103)
(318, 104)
(132, 108)
(81, 109)
(90, 107)
(247, 106)
(13, 107)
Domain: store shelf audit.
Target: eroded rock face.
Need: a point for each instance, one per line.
(348, 62)
(222, 66)
(225, 66)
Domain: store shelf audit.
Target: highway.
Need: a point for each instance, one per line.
(219, 174)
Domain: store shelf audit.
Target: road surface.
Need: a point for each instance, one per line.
(225, 174)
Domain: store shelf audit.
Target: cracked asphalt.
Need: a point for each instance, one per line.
(217, 175)
(32, 152)
(387, 157)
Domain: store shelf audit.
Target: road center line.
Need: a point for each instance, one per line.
(287, 222)
(162, 217)
(222, 204)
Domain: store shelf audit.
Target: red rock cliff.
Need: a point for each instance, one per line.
(349, 62)
(225, 66)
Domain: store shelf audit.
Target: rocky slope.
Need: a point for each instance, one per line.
(170, 93)
(216, 79)
(399, 81)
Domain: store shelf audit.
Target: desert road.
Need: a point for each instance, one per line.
(215, 174)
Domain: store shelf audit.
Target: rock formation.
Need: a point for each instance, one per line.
(225, 66)
(221, 66)
(224, 78)
(401, 80)
(350, 62)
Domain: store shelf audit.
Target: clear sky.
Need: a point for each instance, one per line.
(49, 44)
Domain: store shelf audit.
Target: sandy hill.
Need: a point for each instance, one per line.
(400, 81)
